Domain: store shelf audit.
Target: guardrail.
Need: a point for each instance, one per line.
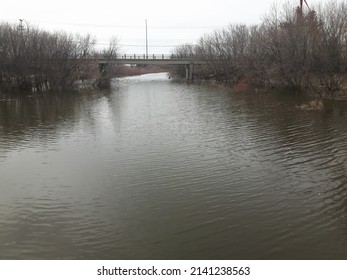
(151, 56)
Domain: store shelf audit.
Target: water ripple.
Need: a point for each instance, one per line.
(154, 166)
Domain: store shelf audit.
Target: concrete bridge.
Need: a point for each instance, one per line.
(154, 59)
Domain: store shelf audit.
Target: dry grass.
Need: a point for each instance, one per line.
(242, 86)
(316, 105)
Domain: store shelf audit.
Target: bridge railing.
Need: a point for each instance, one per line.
(152, 57)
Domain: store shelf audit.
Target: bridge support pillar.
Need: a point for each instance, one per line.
(101, 67)
(189, 71)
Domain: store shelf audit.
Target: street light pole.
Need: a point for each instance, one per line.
(146, 42)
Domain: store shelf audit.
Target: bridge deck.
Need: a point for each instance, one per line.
(189, 62)
(152, 60)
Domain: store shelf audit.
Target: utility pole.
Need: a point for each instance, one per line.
(21, 26)
(146, 41)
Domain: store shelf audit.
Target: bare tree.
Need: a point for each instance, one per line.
(183, 51)
(36, 60)
(107, 69)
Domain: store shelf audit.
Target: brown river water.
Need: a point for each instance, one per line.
(160, 169)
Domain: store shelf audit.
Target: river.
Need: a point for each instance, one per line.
(156, 168)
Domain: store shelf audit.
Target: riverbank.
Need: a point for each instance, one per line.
(292, 48)
(245, 85)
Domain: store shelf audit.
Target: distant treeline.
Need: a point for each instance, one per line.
(292, 47)
(36, 60)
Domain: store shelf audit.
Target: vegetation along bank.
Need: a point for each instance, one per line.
(301, 48)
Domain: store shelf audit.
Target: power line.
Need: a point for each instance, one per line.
(134, 26)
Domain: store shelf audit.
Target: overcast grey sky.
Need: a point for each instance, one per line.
(170, 23)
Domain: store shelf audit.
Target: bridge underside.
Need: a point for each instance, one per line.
(189, 64)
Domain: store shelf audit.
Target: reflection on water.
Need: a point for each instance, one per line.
(160, 169)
